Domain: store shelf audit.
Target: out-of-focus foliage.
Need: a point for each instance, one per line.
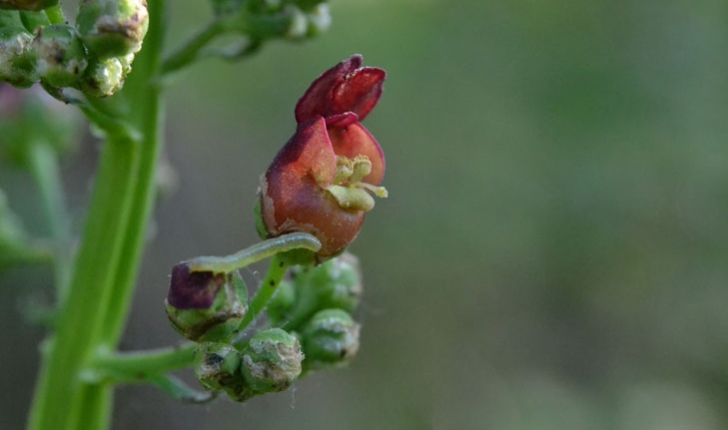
(553, 253)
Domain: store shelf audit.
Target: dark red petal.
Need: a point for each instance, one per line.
(318, 98)
(342, 120)
(308, 153)
(292, 197)
(359, 92)
(196, 290)
(355, 140)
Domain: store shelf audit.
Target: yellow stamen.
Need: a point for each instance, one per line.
(348, 189)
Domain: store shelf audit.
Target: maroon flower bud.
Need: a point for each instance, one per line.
(205, 306)
(319, 183)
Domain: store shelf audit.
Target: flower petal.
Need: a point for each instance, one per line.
(358, 92)
(308, 152)
(318, 98)
(354, 140)
(196, 290)
(293, 197)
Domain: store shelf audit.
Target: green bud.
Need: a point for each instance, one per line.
(319, 20)
(113, 28)
(61, 55)
(217, 367)
(17, 57)
(27, 4)
(271, 362)
(104, 77)
(298, 24)
(330, 339)
(203, 306)
(335, 284)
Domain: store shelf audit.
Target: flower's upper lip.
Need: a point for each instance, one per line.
(346, 87)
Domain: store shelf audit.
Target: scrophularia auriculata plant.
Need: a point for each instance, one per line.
(110, 63)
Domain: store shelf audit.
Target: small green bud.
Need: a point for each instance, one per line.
(113, 28)
(17, 57)
(27, 4)
(298, 24)
(104, 77)
(331, 338)
(319, 19)
(217, 367)
(271, 362)
(204, 306)
(61, 55)
(335, 284)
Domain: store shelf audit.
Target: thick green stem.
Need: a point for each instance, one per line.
(56, 403)
(105, 270)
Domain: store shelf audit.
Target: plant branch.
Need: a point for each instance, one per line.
(253, 254)
(276, 270)
(144, 362)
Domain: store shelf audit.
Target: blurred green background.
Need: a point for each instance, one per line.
(554, 253)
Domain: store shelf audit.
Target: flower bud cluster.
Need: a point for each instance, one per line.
(93, 56)
(267, 19)
(310, 320)
(317, 306)
(269, 363)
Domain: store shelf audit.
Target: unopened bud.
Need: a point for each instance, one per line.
(113, 28)
(17, 58)
(27, 4)
(298, 24)
(319, 19)
(271, 362)
(335, 284)
(104, 77)
(206, 306)
(217, 366)
(61, 55)
(330, 339)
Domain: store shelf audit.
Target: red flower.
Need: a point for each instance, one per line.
(319, 183)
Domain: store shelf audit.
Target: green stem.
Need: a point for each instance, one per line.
(56, 403)
(106, 266)
(45, 171)
(178, 390)
(253, 254)
(190, 52)
(145, 362)
(276, 271)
